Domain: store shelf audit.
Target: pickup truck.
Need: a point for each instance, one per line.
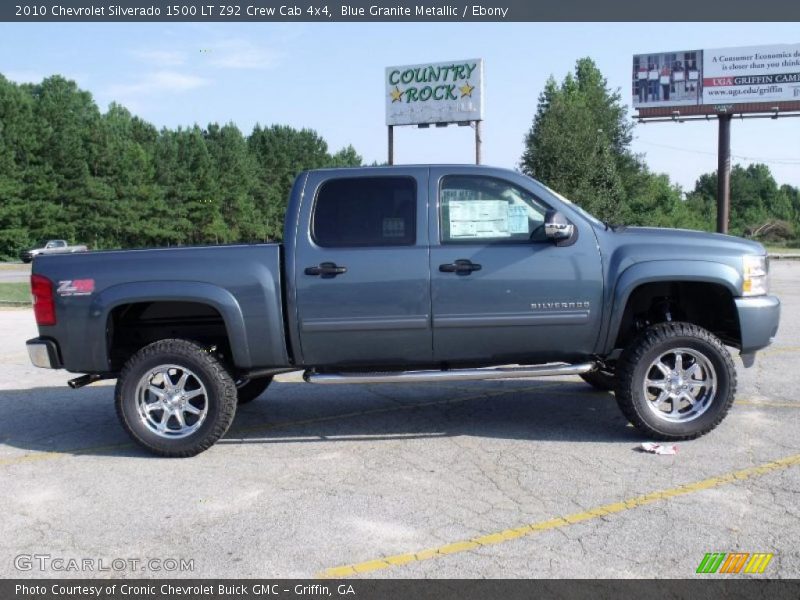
(410, 274)
(51, 247)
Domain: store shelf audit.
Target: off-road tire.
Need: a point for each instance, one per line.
(252, 389)
(220, 388)
(634, 364)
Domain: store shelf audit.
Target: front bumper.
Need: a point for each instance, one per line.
(44, 353)
(758, 321)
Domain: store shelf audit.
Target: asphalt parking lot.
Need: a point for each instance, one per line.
(533, 478)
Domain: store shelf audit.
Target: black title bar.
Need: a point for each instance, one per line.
(396, 10)
(378, 589)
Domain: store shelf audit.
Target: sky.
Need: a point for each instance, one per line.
(329, 77)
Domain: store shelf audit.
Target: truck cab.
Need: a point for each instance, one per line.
(446, 265)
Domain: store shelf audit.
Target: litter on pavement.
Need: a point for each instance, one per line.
(654, 448)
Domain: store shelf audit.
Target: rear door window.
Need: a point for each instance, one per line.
(365, 211)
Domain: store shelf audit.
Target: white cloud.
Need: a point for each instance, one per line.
(176, 82)
(221, 53)
(241, 54)
(166, 58)
(23, 76)
(159, 82)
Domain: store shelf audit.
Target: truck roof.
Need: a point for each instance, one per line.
(416, 166)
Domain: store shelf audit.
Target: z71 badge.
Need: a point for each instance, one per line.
(75, 287)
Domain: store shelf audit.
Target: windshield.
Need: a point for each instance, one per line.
(575, 207)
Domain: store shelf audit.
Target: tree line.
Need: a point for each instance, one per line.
(579, 145)
(112, 180)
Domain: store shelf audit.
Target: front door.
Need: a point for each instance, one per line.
(362, 275)
(501, 292)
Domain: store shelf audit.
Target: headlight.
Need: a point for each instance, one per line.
(756, 275)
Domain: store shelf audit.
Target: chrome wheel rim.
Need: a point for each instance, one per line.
(172, 401)
(680, 385)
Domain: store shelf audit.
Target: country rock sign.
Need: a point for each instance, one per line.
(447, 77)
(445, 92)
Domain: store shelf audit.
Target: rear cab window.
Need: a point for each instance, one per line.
(365, 211)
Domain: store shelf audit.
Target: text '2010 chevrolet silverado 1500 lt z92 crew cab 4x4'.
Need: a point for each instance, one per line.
(410, 274)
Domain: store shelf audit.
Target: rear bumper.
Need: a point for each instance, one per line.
(44, 353)
(758, 321)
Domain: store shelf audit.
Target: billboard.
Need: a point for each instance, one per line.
(752, 74)
(717, 77)
(667, 78)
(444, 92)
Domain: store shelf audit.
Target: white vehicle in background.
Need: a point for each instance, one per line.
(51, 247)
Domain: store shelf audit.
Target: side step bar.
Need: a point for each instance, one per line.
(451, 375)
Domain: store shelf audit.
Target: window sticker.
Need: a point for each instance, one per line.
(394, 227)
(517, 218)
(478, 219)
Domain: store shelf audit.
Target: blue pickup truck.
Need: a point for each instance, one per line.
(410, 274)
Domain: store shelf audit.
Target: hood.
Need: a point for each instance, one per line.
(698, 244)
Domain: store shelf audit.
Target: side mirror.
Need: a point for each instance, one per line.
(557, 227)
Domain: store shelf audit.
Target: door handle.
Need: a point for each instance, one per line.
(462, 266)
(326, 270)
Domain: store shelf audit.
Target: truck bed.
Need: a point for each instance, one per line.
(240, 283)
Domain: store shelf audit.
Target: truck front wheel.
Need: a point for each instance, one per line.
(175, 399)
(676, 381)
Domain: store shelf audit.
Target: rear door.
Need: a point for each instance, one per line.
(501, 292)
(361, 272)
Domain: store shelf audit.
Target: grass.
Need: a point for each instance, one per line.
(15, 292)
(772, 249)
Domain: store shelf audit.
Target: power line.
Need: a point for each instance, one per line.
(760, 159)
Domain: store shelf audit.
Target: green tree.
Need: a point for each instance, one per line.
(346, 157)
(579, 144)
(579, 141)
(280, 153)
(113, 180)
(756, 200)
(124, 176)
(16, 143)
(235, 173)
(65, 119)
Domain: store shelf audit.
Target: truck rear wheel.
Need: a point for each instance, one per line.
(248, 390)
(676, 381)
(175, 399)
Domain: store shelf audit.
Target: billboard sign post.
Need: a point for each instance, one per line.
(435, 94)
(751, 82)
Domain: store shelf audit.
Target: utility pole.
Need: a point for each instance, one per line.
(724, 173)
